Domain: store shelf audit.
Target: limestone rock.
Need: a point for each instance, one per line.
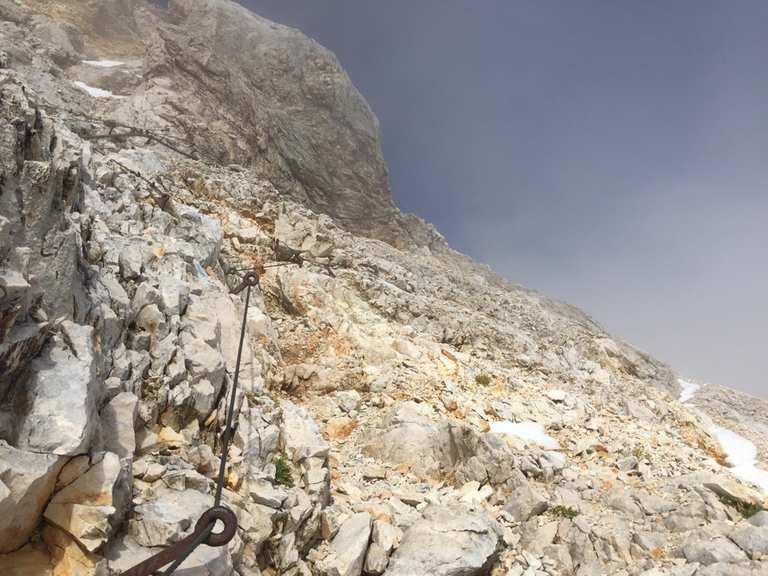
(31, 559)
(525, 502)
(760, 519)
(753, 540)
(91, 507)
(410, 438)
(118, 419)
(350, 544)
(714, 550)
(447, 542)
(67, 557)
(62, 395)
(302, 436)
(376, 560)
(168, 518)
(27, 481)
(307, 103)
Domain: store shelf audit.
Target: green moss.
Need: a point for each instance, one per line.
(483, 379)
(564, 512)
(283, 474)
(746, 509)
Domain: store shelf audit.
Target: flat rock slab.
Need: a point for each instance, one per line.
(447, 541)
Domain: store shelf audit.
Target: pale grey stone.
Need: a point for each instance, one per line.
(376, 560)
(302, 435)
(447, 542)
(90, 508)
(709, 551)
(350, 544)
(168, 518)
(117, 422)
(63, 393)
(130, 262)
(526, 502)
(752, 539)
(386, 536)
(27, 481)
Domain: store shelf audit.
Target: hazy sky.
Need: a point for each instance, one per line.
(611, 154)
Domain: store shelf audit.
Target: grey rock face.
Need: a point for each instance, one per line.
(58, 409)
(372, 384)
(302, 436)
(410, 437)
(759, 519)
(27, 481)
(118, 419)
(91, 507)
(524, 503)
(350, 544)
(303, 111)
(753, 540)
(713, 550)
(168, 518)
(447, 542)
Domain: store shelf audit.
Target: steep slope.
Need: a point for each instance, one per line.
(234, 87)
(403, 410)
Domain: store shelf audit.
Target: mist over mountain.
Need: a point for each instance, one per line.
(608, 155)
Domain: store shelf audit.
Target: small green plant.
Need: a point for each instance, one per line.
(564, 512)
(746, 509)
(283, 474)
(483, 379)
(640, 452)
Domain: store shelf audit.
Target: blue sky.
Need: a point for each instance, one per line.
(611, 154)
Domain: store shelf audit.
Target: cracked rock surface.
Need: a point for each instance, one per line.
(401, 409)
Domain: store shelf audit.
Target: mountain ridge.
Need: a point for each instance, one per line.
(399, 401)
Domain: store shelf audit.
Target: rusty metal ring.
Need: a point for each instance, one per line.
(230, 525)
(251, 279)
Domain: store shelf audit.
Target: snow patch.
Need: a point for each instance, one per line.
(531, 431)
(95, 92)
(742, 457)
(688, 391)
(103, 63)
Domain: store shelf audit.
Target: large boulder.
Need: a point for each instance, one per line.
(349, 546)
(447, 541)
(57, 409)
(409, 436)
(302, 435)
(118, 419)
(91, 507)
(27, 481)
(168, 518)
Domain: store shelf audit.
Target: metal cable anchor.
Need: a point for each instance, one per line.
(203, 532)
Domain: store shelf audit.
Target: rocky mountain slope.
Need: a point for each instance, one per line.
(402, 410)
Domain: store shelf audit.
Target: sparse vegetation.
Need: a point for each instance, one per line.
(640, 452)
(283, 474)
(746, 509)
(483, 379)
(564, 512)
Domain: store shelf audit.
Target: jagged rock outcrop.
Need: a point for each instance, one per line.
(401, 409)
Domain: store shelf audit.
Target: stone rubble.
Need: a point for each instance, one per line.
(374, 377)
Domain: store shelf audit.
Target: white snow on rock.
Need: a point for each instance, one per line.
(688, 391)
(742, 457)
(741, 453)
(103, 63)
(95, 92)
(530, 431)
